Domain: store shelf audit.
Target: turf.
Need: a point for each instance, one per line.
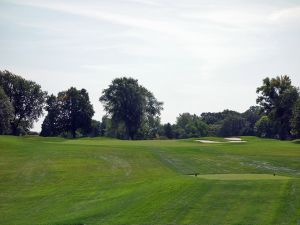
(106, 181)
(245, 176)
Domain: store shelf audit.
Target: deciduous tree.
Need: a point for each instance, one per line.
(27, 99)
(277, 97)
(69, 111)
(131, 104)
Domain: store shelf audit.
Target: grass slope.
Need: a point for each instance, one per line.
(107, 181)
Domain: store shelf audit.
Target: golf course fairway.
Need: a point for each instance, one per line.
(56, 181)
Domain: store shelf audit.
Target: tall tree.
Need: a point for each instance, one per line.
(69, 111)
(6, 112)
(27, 99)
(52, 124)
(129, 103)
(277, 97)
(77, 110)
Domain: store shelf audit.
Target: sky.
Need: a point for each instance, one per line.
(196, 56)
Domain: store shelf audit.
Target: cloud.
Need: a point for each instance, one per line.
(229, 17)
(146, 2)
(213, 35)
(101, 14)
(167, 30)
(286, 15)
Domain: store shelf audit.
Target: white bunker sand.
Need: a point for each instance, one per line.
(249, 176)
(234, 139)
(230, 140)
(208, 141)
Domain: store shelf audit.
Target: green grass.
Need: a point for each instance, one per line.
(105, 181)
(245, 176)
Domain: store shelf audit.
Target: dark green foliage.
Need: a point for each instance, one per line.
(277, 97)
(214, 129)
(149, 129)
(231, 123)
(27, 99)
(188, 125)
(103, 126)
(95, 130)
(52, 124)
(168, 131)
(252, 115)
(133, 112)
(230, 113)
(6, 112)
(106, 126)
(264, 127)
(295, 120)
(47, 128)
(232, 126)
(111, 129)
(130, 105)
(217, 117)
(77, 110)
(212, 118)
(70, 111)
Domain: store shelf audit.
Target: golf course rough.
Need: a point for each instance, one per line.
(106, 181)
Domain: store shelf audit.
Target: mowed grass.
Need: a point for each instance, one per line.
(242, 177)
(106, 181)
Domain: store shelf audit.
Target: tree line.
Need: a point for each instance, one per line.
(133, 112)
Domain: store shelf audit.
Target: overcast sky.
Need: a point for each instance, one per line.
(195, 56)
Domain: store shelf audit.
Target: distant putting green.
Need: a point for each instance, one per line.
(243, 177)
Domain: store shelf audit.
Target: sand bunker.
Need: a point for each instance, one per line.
(227, 140)
(234, 140)
(208, 141)
(242, 177)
